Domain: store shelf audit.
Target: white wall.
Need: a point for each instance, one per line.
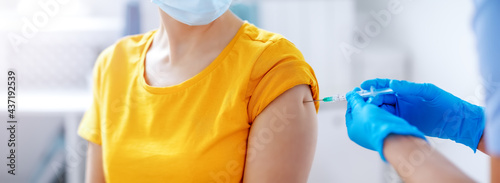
(440, 35)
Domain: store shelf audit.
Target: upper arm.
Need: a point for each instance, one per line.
(282, 139)
(94, 171)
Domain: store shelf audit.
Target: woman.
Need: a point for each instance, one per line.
(205, 98)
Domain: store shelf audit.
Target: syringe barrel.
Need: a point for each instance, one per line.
(375, 92)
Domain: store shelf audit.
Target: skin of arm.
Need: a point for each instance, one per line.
(482, 146)
(282, 139)
(416, 161)
(494, 161)
(495, 168)
(94, 170)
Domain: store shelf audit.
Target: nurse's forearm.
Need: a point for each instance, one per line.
(495, 168)
(416, 161)
(494, 161)
(481, 145)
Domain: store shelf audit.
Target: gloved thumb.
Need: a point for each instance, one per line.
(354, 100)
(425, 90)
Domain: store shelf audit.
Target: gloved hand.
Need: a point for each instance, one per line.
(432, 110)
(368, 125)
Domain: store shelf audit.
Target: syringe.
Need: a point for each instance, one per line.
(363, 93)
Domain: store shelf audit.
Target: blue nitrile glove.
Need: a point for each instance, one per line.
(432, 110)
(368, 125)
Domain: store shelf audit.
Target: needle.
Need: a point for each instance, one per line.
(363, 93)
(327, 99)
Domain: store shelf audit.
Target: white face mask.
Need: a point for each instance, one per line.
(194, 12)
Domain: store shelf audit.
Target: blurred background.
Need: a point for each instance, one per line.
(53, 44)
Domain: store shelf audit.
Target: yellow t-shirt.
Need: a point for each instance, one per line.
(195, 131)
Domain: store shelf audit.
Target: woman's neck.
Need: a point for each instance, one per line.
(177, 39)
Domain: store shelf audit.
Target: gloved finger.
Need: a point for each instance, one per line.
(377, 83)
(354, 100)
(348, 113)
(389, 108)
(383, 99)
(369, 100)
(348, 116)
(425, 90)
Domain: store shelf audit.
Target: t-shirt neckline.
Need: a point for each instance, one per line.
(189, 82)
